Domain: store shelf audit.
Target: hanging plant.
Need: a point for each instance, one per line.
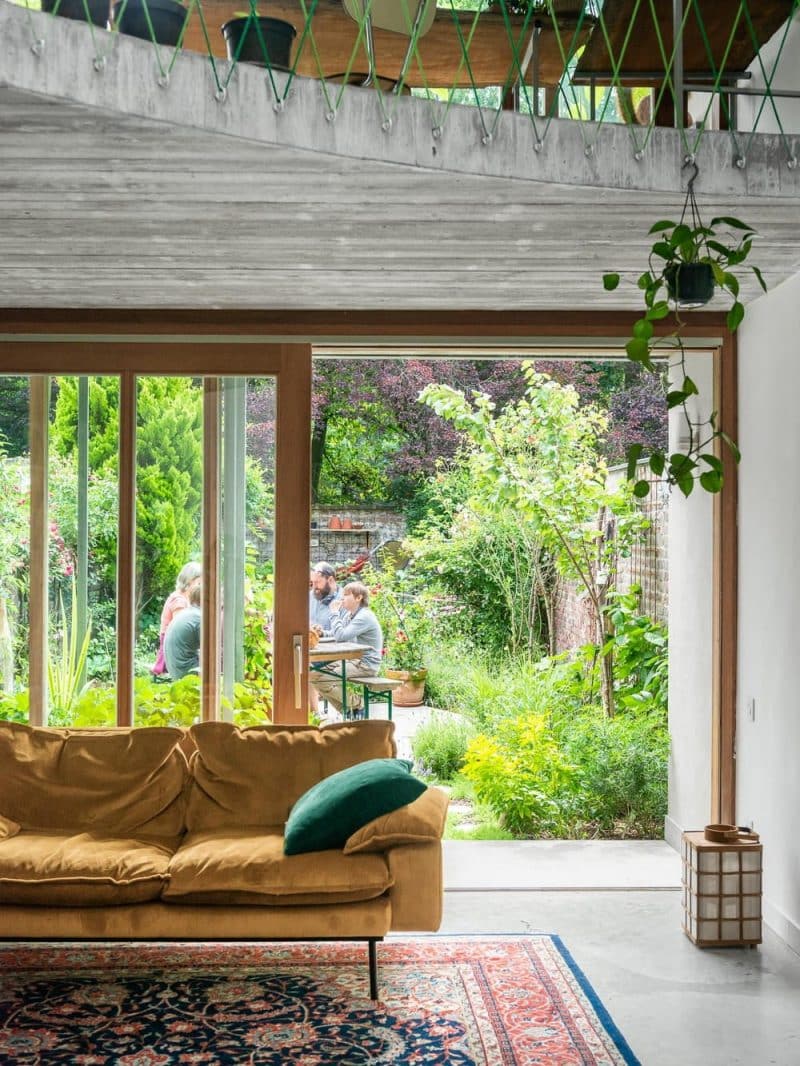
(687, 264)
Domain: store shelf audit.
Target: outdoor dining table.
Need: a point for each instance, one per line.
(328, 652)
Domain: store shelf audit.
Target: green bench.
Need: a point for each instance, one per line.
(375, 689)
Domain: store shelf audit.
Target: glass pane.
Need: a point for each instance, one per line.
(83, 512)
(14, 547)
(169, 502)
(247, 565)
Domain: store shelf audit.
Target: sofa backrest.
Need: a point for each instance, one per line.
(254, 776)
(121, 781)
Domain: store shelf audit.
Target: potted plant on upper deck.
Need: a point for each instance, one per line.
(159, 20)
(95, 11)
(257, 39)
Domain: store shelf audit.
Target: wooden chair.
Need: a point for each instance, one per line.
(412, 18)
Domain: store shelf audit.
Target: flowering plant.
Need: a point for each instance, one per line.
(404, 617)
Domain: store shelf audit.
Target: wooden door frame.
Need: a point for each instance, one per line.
(287, 328)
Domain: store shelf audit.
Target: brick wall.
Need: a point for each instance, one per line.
(339, 546)
(647, 565)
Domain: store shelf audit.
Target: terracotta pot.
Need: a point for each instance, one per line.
(412, 692)
(347, 523)
(334, 522)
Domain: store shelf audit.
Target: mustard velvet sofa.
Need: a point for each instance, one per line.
(150, 834)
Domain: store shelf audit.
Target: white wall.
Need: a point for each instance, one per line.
(690, 614)
(786, 77)
(768, 747)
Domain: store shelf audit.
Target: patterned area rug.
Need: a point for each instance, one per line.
(509, 1000)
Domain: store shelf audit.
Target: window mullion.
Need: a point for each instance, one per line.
(126, 548)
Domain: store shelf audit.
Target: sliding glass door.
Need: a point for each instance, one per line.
(160, 568)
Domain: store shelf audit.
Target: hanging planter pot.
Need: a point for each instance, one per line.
(690, 284)
(75, 9)
(276, 34)
(167, 17)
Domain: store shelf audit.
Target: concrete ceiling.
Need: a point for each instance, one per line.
(103, 209)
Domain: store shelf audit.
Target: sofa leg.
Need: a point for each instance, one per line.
(373, 968)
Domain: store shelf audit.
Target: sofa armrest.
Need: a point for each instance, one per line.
(416, 895)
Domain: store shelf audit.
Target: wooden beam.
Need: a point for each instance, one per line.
(126, 548)
(39, 540)
(382, 325)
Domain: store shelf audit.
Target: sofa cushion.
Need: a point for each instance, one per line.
(249, 866)
(8, 828)
(416, 823)
(119, 782)
(253, 777)
(82, 870)
(326, 815)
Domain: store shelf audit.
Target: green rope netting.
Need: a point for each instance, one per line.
(463, 23)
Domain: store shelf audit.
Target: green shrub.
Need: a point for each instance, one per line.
(620, 772)
(440, 745)
(522, 776)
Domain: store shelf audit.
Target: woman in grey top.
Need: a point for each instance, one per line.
(352, 621)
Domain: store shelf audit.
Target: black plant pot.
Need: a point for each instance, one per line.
(690, 284)
(167, 16)
(74, 9)
(278, 36)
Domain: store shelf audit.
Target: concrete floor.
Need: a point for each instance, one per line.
(617, 907)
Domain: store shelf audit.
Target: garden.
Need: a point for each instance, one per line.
(502, 473)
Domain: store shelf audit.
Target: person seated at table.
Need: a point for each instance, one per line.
(353, 622)
(182, 640)
(324, 591)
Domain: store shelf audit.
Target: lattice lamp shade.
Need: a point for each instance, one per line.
(722, 889)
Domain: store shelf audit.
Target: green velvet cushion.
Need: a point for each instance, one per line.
(334, 808)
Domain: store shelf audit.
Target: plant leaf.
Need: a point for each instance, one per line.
(681, 235)
(658, 310)
(610, 282)
(713, 461)
(663, 224)
(641, 489)
(735, 316)
(711, 481)
(643, 329)
(632, 454)
(732, 446)
(663, 249)
(637, 350)
(675, 399)
(657, 462)
(760, 277)
(732, 284)
(734, 223)
(689, 387)
(685, 484)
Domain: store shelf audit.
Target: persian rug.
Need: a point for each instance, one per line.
(483, 1000)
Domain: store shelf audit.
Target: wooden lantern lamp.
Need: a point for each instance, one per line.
(722, 868)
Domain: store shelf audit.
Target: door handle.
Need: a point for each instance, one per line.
(297, 648)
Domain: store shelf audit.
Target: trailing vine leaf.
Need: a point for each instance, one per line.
(687, 242)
